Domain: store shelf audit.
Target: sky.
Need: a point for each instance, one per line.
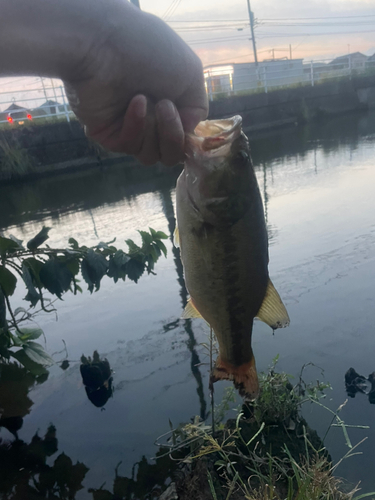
(219, 32)
(339, 26)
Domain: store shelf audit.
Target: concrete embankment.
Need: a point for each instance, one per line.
(45, 149)
(298, 104)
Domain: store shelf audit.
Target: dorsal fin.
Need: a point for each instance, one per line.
(272, 310)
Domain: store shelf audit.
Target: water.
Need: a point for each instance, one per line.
(317, 182)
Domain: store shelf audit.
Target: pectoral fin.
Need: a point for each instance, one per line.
(190, 311)
(272, 310)
(176, 238)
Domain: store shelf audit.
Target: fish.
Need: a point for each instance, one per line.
(222, 236)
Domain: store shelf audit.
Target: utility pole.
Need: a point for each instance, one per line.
(290, 51)
(136, 3)
(251, 17)
(273, 54)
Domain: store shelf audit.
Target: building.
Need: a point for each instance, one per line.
(355, 61)
(239, 77)
(270, 73)
(49, 108)
(370, 63)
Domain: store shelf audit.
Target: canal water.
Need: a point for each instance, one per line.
(318, 184)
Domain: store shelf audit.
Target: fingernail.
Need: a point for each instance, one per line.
(141, 107)
(166, 110)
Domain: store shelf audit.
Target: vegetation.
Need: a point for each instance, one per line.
(44, 270)
(267, 453)
(14, 160)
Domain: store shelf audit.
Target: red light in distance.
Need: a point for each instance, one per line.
(29, 117)
(10, 119)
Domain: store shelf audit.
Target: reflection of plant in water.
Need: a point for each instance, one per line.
(145, 484)
(43, 269)
(24, 473)
(15, 383)
(97, 377)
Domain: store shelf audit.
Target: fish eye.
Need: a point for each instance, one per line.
(242, 159)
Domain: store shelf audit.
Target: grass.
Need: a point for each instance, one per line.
(14, 160)
(267, 453)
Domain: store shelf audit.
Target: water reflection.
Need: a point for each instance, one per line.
(97, 378)
(15, 404)
(317, 184)
(168, 211)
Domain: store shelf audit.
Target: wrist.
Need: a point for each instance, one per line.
(48, 37)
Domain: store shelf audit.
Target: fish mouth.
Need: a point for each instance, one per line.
(214, 137)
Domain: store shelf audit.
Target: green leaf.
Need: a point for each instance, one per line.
(135, 269)
(117, 265)
(39, 239)
(26, 334)
(3, 311)
(7, 281)
(16, 240)
(162, 247)
(94, 266)
(56, 277)
(34, 368)
(72, 264)
(133, 248)
(64, 364)
(160, 235)
(73, 243)
(35, 266)
(32, 295)
(7, 245)
(146, 238)
(37, 354)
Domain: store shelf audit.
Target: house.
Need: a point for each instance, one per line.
(238, 77)
(355, 61)
(269, 73)
(49, 108)
(370, 63)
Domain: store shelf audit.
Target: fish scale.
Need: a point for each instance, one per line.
(224, 247)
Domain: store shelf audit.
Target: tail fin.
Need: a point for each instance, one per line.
(244, 377)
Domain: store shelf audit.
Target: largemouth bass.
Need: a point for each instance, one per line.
(223, 240)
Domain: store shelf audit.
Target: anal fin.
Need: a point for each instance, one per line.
(272, 310)
(176, 237)
(190, 311)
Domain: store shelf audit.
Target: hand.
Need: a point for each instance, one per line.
(140, 87)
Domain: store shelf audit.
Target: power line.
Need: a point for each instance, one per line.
(166, 13)
(172, 9)
(276, 35)
(360, 23)
(268, 19)
(307, 18)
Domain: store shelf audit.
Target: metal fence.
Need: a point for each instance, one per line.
(32, 99)
(24, 99)
(244, 78)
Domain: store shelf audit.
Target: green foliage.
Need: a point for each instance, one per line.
(14, 160)
(56, 271)
(279, 400)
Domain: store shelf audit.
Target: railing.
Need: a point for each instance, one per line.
(240, 79)
(39, 98)
(32, 99)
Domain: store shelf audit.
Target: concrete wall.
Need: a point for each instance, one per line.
(61, 146)
(299, 104)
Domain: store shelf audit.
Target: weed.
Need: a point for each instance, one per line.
(14, 161)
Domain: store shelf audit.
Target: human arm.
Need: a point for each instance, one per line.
(111, 57)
